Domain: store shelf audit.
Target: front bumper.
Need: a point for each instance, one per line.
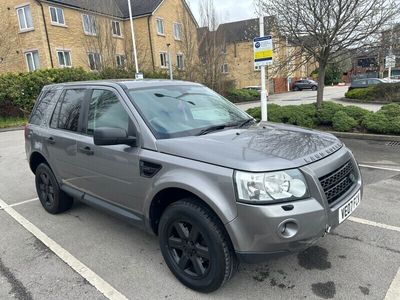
(262, 231)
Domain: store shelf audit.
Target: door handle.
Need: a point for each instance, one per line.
(51, 140)
(86, 150)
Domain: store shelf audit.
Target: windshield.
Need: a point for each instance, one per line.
(184, 110)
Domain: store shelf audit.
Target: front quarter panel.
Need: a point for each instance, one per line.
(212, 184)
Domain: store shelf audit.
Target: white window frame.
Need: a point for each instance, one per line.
(97, 65)
(118, 58)
(83, 24)
(30, 53)
(165, 54)
(174, 27)
(22, 8)
(119, 26)
(57, 22)
(63, 51)
(163, 26)
(177, 61)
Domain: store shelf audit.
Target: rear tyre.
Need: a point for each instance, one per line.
(314, 88)
(53, 199)
(195, 246)
(296, 88)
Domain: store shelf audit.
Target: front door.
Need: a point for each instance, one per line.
(110, 173)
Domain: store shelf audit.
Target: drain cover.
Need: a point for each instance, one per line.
(393, 144)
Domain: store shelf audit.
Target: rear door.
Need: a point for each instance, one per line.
(109, 173)
(63, 132)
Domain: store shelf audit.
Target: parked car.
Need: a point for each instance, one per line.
(253, 88)
(305, 84)
(363, 83)
(185, 164)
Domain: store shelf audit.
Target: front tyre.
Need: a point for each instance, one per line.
(314, 88)
(195, 246)
(53, 199)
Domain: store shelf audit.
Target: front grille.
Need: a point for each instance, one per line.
(338, 182)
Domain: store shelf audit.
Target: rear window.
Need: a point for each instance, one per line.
(42, 107)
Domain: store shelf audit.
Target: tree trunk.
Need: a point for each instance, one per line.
(321, 84)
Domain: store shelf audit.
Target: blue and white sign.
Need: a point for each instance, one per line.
(263, 51)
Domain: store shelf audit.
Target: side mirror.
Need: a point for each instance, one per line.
(107, 136)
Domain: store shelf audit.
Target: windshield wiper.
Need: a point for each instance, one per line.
(159, 95)
(211, 129)
(245, 122)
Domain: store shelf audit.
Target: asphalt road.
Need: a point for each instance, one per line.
(335, 93)
(359, 260)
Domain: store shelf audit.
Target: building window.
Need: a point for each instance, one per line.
(57, 16)
(160, 26)
(120, 61)
(32, 60)
(163, 59)
(224, 68)
(180, 64)
(178, 31)
(25, 18)
(94, 61)
(89, 24)
(116, 28)
(64, 58)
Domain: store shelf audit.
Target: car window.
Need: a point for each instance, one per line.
(41, 108)
(373, 81)
(176, 111)
(105, 110)
(67, 112)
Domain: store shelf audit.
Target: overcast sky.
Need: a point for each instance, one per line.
(227, 10)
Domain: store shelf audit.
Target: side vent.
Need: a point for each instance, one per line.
(148, 169)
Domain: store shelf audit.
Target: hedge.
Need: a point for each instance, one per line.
(241, 95)
(384, 92)
(335, 116)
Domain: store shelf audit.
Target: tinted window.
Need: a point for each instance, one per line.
(105, 110)
(69, 113)
(373, 81)
(41, 108)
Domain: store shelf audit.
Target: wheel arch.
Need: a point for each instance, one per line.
(36, 159)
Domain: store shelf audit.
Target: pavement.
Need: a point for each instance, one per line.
(331, 93)
(87, 254)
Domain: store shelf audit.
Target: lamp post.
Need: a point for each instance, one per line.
(133, 38)
(171, 76)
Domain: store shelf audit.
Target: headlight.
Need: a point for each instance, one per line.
(264, 188)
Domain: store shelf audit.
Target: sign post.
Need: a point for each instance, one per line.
(263, 51)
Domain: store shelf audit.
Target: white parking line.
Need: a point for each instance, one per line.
(100, 284)
(379, 168)
(393, 292)
(372, 223)
(19, 203)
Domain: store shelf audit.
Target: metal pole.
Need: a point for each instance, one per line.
(133, 37)
(390, 51)
(264, 95)
(171, 76)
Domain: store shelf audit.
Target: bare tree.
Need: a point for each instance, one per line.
(326, 29)
(211, 46)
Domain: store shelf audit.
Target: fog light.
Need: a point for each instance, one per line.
(288, 229)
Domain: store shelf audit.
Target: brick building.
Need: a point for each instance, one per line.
(94, 34)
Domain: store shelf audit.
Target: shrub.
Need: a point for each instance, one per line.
(377, 123)
(242, 95)
(343, 122)
(365, 94)
(327, 111)
(384, 92)
(391, 110)
(301, 115)
(273, 112)
(357, 113)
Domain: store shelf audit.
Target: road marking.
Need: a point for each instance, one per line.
(379, 168)
(100, 284)
(19, 203)
(372, 223)
(393, 292)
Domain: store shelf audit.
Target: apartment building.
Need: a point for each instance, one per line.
(237, 62)
(95, 34)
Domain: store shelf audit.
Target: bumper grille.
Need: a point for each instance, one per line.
(338, 182)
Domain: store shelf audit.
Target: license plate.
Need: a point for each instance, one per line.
(346, 210)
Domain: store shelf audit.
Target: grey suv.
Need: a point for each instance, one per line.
(182, 162)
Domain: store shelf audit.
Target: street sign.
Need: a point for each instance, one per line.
(390, 61)
(138, 75)
(263, 50)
